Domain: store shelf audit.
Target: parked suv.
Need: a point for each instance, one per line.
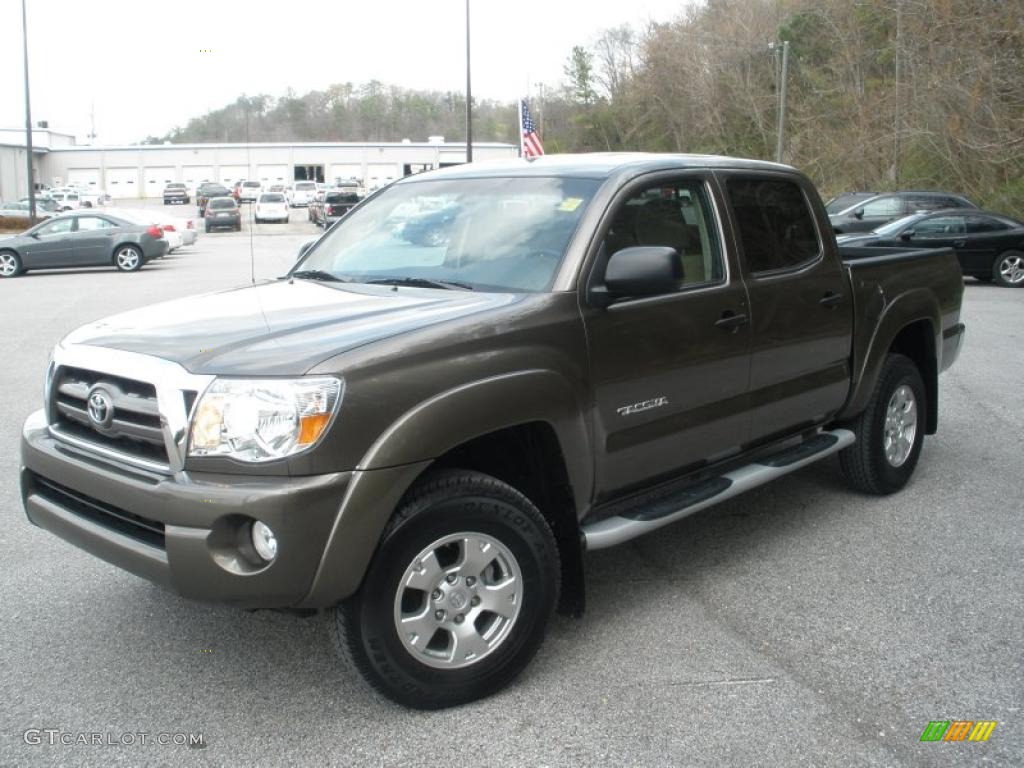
(249, 191)
(865, 215)
(301, 193)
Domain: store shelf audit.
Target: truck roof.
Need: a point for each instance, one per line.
(598, 165)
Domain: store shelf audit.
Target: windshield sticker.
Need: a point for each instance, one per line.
(570, 204)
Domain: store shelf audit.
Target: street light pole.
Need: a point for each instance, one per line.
(782, 102)
(28, 121)
(469, 96)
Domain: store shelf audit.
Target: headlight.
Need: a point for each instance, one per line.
(263, 419)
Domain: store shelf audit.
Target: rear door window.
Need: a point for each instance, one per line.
(940, 226)
(91, 223)
(979, 224)
(776, 228)
(883, 206)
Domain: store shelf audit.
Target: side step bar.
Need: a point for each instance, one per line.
(621, 528)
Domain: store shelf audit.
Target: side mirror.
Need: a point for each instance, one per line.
(859, 213)
(640, 271)
(304, 249)
(906, 234)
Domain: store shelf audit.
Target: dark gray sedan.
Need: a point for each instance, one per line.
(83, 239)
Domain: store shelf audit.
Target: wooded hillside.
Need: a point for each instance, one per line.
(882, 94)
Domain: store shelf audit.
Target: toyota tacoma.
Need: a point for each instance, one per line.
(424, 434)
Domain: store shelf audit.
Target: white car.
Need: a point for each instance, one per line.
(90, 197)
(178, 231)
(249, 191)
(271, 206)
(67, 200)
(301, 193)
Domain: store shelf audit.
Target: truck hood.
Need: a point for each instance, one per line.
(281, 327)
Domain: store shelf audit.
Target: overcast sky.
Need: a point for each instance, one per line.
(150, 65)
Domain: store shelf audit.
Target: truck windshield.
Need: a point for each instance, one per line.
(491, 234)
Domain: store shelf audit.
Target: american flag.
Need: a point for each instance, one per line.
(530, 139)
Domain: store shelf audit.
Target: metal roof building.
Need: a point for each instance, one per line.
(142, 170)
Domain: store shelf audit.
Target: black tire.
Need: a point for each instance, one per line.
(1008, 269)
(207, 230)
(447, 503)
(238, 227)
(10, 265)
(865, 464)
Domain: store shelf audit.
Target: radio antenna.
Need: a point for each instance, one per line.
(248, 170)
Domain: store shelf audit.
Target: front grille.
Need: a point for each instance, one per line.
(114, 518)
(133, 429)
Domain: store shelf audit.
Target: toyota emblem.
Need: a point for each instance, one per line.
(101, 408)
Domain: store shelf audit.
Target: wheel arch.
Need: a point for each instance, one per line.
(525, 428)
(909, 326)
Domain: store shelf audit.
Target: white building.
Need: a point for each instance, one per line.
(143, 170)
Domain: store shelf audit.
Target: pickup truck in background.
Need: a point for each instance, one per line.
(425, 435)
(330, 205)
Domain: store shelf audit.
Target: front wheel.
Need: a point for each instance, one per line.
(1009, 269)
(10, 264)
(458, 596)
(890, 431)
(128, 258)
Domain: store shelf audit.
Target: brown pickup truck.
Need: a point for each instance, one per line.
(423, 433)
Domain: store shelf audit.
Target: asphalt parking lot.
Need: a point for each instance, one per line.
(800, 624)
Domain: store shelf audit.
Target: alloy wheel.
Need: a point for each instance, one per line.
(458, 600)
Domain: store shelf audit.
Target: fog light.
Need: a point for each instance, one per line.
(264, 540)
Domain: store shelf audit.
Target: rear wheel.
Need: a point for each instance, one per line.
(128, 258)
(10, 264)
(890, 431)
(458, 596)
(1009, 269)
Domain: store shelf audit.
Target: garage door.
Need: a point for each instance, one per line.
(229, 174)
(345, 171)
(196, 174)
(123, 182)
(273, 174)
(156, 179)
(380, 174)
(88, 176)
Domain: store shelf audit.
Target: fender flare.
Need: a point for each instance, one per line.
(429, 430)
(910, 307)
(451, 418)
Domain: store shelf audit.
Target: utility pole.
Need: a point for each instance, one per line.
(28, 121)
(469, 96)
(781, 132)
(897, 116)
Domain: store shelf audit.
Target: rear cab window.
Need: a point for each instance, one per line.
(774, 224)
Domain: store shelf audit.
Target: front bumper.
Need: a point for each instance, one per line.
(189, 530)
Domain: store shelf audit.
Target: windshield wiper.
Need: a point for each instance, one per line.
(422, 282)
(318, 274)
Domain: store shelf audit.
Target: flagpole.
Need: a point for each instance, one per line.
(520, 127)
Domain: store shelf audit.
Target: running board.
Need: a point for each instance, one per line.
(621, 528)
